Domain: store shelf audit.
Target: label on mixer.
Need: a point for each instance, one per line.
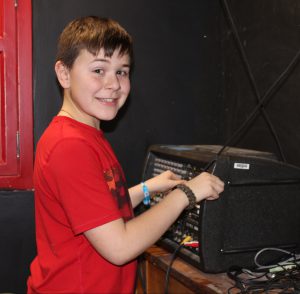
(239, 165)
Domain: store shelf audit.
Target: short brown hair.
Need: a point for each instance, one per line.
(92, 33)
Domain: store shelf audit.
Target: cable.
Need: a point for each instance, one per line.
(283, 275)
(251, 77)
(261, 100)
(292, 257)
(285, 280)
(265, 97)
(173, 257)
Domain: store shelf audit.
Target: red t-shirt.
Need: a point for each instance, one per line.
(79, 185)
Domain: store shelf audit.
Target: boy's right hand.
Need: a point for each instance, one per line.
(206, 186)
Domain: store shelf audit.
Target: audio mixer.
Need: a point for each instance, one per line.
(224, 232)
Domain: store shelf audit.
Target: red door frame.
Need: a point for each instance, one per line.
(9, 112)
(22, 140)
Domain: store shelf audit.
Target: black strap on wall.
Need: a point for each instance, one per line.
(261, 100)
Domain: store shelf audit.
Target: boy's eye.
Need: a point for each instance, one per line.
(98, 71)
(122, 73)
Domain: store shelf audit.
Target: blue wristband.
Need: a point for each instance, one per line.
(146, 200)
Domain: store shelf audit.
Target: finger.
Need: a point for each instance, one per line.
(219, 188)
(218, 184)
(217, 179)
(213, 197)
(175, 177)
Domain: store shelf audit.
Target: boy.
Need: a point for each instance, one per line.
(87, 236)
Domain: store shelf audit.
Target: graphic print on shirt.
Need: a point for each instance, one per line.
(117, 187)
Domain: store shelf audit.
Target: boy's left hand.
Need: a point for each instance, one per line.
(163, 182)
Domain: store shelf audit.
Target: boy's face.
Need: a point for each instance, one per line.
(97, 86)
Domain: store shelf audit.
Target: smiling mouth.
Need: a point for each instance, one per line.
(106, 99)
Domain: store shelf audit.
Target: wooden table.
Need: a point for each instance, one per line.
(184, 278)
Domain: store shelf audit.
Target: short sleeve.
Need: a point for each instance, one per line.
(76, 173)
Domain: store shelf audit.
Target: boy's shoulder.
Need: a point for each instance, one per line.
(66, 130)
(65, 127)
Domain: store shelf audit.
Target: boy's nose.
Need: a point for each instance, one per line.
(112, 82)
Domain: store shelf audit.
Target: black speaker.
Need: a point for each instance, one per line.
(258, 209)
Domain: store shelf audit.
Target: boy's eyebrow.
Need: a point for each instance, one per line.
(105, 60)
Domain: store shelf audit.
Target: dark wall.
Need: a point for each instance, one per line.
(269, 34)
(176, 84)
(17, 241)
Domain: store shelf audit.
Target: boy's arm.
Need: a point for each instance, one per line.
(161, 183)
(121, 242)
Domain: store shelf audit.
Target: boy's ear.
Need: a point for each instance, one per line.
(63, 74)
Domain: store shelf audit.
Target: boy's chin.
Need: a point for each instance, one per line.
(108, 115)
(108, 118)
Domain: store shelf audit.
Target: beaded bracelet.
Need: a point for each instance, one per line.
(146, 200)
(189, 194)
